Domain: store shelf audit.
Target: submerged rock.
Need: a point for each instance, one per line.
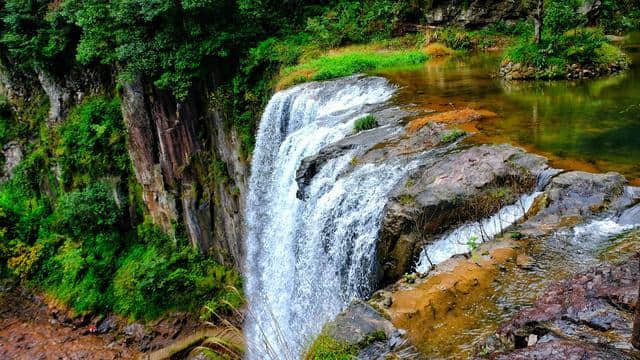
(575, 317)
(563, 349)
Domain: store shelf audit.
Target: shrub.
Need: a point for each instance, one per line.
(151, 280)
(92, 142)
(562, 15)
(365, 123)
(87, 211)
(457, 39)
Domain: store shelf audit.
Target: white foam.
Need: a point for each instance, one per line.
(456, 241)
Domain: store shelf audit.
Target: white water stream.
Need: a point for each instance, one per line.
(457, 241)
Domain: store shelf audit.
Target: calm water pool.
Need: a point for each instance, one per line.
(591, 125)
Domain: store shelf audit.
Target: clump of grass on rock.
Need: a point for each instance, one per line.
(365, 123)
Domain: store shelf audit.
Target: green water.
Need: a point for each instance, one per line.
(588, 124)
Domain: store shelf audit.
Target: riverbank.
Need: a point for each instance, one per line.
(33, 327)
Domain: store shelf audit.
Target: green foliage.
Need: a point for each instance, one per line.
(365, 123)
(472, 243)
(155, 276)
(92, 142)
(555, 52)
(619, 16)
(457, 39)
(36, 34)
(562, 15)
(169, 41)
(88, 211)
(352, 22)
(453, 135)
(328, 348)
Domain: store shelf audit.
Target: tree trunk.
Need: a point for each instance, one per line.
(538, 15)
(635, 337)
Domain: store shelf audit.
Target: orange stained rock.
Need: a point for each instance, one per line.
(443, 306)
(451, 117)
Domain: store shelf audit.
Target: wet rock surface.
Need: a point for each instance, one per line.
(564, 349)
(589, 316)
(363, 326)
(359, 322)
(573, 197)
(449, 190)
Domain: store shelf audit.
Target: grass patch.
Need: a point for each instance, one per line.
(365, 123)
(406, 199)
(328, 348)
(453, 136)
(347, 63)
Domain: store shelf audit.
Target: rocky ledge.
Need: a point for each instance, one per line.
(587, 316)
(361, 328)
(517, 71)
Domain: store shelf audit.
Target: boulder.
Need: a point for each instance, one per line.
(563, 349)
(360, 325)
(448, 190)
(574, 196)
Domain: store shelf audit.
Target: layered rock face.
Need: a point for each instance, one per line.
(186, 160)
(478, 13)
(472, 13)
(168, 147)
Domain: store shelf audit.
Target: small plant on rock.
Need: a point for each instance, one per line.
(365, 123)
(453, 136)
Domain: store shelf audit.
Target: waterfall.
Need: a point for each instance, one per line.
(306, 260)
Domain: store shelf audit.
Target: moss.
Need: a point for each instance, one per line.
(406, 199)
(328, 348)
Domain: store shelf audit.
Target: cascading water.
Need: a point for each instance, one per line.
(306, 260)
(457, 241)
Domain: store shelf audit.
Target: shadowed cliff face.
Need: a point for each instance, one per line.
(172, 146)
(473, 13)
(478, 13)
